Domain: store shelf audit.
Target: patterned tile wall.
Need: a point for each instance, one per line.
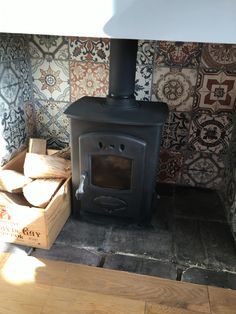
(197, 81)
(41, 75)
(16, 110)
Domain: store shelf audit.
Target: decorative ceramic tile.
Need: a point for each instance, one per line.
(145, 53)
(30, 119)
(201, 161)
(174, 87)
(143, 82)
(203, 169)
(232, 144)
(10, 94)
(52, 123)
(180, 54)
(49, 47)
(210, 133)
(50, 79)
(170, 166)
(90, 49)
(13, 47)
(219, 56)
(13, 134)
(175, 133)
(209, 180)
(215, 92)
(26, 79)
(88, 79)
(9, 75)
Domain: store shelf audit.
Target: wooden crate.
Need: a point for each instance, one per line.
(31, 226)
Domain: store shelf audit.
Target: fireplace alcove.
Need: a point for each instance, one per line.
(44, 117)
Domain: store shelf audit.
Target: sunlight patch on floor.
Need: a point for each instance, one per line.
(20, 269)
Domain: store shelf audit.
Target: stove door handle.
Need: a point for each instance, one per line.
(81, 189)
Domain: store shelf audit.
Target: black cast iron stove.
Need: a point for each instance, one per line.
(115, 144)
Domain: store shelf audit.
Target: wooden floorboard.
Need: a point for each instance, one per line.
(38, 286)
(222, 301)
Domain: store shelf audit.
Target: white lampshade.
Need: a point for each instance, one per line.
(176, 20)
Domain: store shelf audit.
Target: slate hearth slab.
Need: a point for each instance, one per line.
(62, 252)
(219, 245)
(14, 248)
(140, 266)
(209, 277)
(163, 215)
(156, 244)
(198, 203)
(189, 249)
(81, 234)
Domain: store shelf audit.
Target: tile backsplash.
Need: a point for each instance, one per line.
(41, 75)
(198, 82)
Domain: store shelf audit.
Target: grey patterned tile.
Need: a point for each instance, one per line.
(52, 123)
(145, 53)
(9, 74)
(90, 49)
(13, 47)
(13, 131)
(196, 178)
(50, 79)
(181, 54)
(203, 169)
(202, 161)
(143, 82)
(11, 94)
(174, 87)
(49, 47)
(176, 130)
(30, 120)
(210, 133)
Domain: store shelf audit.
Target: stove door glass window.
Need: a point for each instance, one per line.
(110, 171)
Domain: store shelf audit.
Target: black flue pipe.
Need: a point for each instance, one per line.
(123, 54)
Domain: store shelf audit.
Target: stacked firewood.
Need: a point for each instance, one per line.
(41, 178)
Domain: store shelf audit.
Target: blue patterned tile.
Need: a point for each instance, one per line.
(13, 47)
(9, 74)
(52, 123)
(143, 82)
(145, 53)
(30, 119)
(50, 79)
(11, 94)
(49, 47)
(13, 131)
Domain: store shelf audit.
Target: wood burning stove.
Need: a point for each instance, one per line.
(115, 144)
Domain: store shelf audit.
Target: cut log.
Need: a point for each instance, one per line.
(7, 199)
(44, 166)
(63, 153)
(12, 181)
(37, 146)
(39, 192)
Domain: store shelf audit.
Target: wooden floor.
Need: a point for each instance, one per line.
(33, 286)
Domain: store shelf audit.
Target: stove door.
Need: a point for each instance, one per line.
(112, 169)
